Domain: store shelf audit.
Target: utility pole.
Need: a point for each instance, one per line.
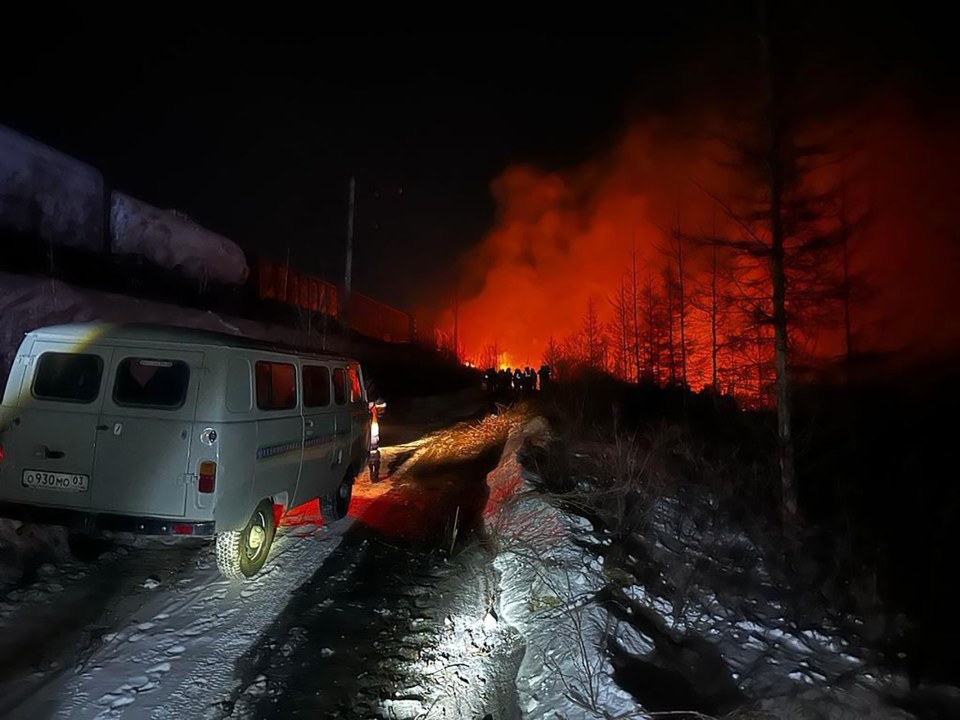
(348, 271)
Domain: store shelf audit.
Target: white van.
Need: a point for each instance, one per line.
(166, 431)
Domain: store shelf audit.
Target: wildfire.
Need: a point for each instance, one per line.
(584, 263)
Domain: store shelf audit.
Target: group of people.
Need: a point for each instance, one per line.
(515, 381)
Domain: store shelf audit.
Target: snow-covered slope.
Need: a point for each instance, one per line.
(688, 619)
(173, 242)
(47, 194)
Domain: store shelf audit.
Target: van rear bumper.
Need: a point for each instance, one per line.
(107, 522)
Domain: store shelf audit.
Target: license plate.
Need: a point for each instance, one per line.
(66, 482)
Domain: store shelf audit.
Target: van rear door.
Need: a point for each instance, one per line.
(53, 445)
(145, 431)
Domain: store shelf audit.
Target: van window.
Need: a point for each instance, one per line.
(355, 393)
(340, 386)
(276, 386)
(151, 382)
(316, 386)
(68, 377)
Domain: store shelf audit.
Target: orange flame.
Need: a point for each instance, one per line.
(565, 239)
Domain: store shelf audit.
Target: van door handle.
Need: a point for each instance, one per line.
(308, 423)
(43, 451)
(103, 428)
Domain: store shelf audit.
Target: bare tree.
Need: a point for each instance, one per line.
(635, 306)
(620, 330)
(651, 311)
(780, 244)
(677, 242)
(669, 285)
(712, 300)
(593, 338)
(852, 287)
(714, 315)
(491, 356)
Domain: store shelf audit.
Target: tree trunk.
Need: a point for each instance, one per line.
(636, 318)
(654, 365)
(775, 174)
(845, 248)
(713, 322)
(683, 308)
(671, 355)
(624, 332)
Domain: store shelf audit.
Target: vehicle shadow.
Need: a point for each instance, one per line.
(349, 636)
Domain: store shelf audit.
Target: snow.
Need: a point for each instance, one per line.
(746, 621)
(546, 588)
(172, 241)
(47, 194)
(552, 565)
(175, 653)
(529, 634)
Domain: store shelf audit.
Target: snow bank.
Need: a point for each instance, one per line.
(173, 242)
(704, 578)
(47, 194)
(686, 616)
(547, 586)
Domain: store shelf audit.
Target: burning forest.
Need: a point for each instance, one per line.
(648, 418)
(652, 261)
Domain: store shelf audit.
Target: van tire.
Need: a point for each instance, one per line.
(336, 505)
(242, 553)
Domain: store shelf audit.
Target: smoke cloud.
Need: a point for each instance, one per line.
(564, 239)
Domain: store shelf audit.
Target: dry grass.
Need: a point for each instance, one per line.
(468, 440)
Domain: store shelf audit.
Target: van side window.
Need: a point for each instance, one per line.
(316, 386)
(146, 382)
(355, 392)
(68, 377)
(276, 386)
(340, 386)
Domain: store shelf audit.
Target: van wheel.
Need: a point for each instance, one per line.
(336, 505)
(241, 553)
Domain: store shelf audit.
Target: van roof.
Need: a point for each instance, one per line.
(99, 331)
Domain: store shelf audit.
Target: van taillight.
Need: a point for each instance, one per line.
(208, 476)
(3, 453)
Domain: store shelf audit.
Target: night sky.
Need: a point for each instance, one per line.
(255, 133)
